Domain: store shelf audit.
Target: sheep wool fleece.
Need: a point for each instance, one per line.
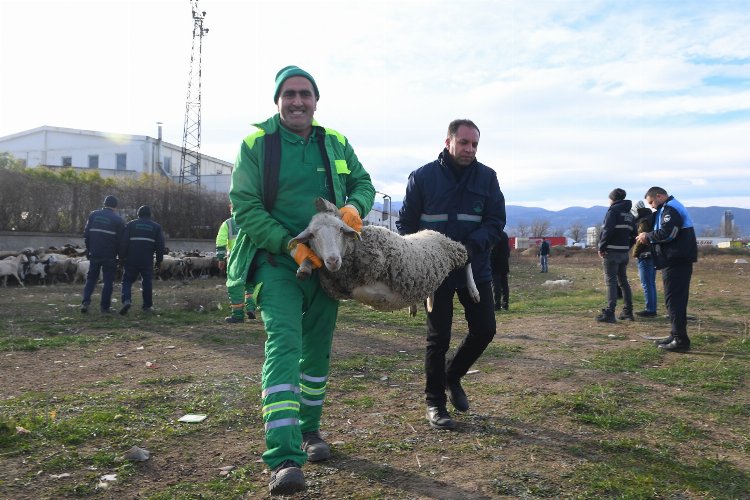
(299, 318)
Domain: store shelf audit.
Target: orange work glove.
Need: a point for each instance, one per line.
(300, 252)
(351, 218)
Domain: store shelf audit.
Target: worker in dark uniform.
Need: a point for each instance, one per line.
(102, 237)
(141, 239)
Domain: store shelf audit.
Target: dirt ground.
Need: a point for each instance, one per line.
(506, 446)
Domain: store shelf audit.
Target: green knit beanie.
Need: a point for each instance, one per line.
(289, 72)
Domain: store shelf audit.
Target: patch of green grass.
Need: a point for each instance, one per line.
(683, 431)
(632, 359)
(628, 468)
(738, 346)
(605, 407)
(361, 402)
(561, 373)
(165, 381)
(362, 363)
(700, 373)
(499, 351)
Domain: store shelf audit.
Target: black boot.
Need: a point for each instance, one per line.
(606, 316)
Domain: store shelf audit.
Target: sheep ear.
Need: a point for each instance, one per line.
(351, 233)
(303, 237)
(324, 205)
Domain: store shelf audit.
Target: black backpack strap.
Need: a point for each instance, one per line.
(271, 166)
(327, 163)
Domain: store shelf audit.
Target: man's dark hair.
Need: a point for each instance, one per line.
(652, 192)
(617, 194)
(453, 126)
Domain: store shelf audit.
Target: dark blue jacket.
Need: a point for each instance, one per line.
(619, 229)
(470, 210)
(102, 233)
(142, 239)
(673, 237)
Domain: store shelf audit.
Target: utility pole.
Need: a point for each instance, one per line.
(190, 161)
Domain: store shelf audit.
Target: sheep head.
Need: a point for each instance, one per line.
(327, 235)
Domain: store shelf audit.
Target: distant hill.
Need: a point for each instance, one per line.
(703, 217)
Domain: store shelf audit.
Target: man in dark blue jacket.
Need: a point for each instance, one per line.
(141, 239)
(615, 239)
(460, 198)
(675, 250)
(102, 238)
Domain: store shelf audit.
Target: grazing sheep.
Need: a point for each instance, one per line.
(13, 266)
(380, 268)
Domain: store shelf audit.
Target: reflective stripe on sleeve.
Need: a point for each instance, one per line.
(469, 217)
(433, 217)
(94, 230)
(143, 239)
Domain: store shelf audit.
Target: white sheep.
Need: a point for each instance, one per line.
(13, 266)
(380, 268)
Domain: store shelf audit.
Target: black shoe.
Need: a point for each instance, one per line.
(85, 307)
(457, 396)
(251, 315)
(232, 319)
(665, 340)
(505, 307)
(125, 308)
(626, 315)
(286, 479)
(147, 310)
(676, 345)
(606, 316)
(498, 307)
(646, 314)
(317, 450)
(106, 311)
(439, 418)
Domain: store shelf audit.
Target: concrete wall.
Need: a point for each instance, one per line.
(14, 241)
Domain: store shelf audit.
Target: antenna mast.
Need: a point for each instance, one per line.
(190, 161)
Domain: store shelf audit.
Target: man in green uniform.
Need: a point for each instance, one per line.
(280, 170)
(240, 295)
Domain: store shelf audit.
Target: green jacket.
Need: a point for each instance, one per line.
(292, 210)
(225, 238)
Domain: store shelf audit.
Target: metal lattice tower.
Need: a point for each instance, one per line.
(190, 162)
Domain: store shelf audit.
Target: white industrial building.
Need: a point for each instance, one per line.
(110, 154)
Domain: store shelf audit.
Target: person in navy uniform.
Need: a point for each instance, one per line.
(675, 250)
(141, 240)
(102, 238)
(460, 198)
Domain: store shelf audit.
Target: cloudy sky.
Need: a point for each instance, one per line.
(573, 97)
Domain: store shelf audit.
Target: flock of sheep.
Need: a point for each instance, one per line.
(70, 265)
(376, 267)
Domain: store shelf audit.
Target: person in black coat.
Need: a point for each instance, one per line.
(500, 268)
(141, 239)
(102, 238)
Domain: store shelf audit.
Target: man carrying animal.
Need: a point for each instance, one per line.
(240, 295)
(280, 170)
(141, 239)
(675, 249)
(461, 198)
(102, 239)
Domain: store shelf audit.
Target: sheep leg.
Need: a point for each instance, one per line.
(471, 285)
(305, 270)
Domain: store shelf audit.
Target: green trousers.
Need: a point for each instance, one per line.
(241, 299)
(299, 320)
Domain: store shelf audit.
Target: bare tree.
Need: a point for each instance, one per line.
(522, 229)
(539, 228)
(576, 231)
